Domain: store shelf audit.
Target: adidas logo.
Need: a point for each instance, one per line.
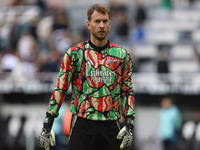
(89, 62)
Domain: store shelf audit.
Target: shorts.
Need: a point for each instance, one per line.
(94, 135)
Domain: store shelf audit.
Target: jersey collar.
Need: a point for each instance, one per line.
(99, 48)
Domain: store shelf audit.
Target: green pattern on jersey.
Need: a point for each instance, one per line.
(101, 82)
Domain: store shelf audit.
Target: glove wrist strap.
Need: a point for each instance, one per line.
(48, 122)
(129, 123)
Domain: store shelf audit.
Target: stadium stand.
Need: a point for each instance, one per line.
(25, 91)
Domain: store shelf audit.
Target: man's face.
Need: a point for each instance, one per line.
(99, 25)
(166, 103)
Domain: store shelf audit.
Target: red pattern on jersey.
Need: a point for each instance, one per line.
(81, 46)
(114, 45)
(124, 87)
(81, 74)
(74, 48)
(105, 103)
(78, 83)
(76, 101)
(62, 97)
(113, 85)
(117, 106)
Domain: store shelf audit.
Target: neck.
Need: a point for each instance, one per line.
(99, 43)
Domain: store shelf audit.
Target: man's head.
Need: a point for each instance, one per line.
(166, 102)
(99, 8)
(98, 22)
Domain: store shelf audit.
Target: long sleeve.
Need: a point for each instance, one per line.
(67, 69)
(178, 119)
(127, 93)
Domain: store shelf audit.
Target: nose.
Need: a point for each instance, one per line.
(102, 25)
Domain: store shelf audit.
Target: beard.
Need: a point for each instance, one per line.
(99, 37)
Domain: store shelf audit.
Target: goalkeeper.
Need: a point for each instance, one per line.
(101, 76)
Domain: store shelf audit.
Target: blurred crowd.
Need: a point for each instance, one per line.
(37, 45)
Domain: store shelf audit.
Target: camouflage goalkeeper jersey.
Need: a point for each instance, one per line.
(101, 82)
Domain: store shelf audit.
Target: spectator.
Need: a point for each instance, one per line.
(17, 29)
(42, 6)
(119, 27)
(162, 64)
(24, 72)
(137, 34)
(15, 32)
(166, 4)
(170, 123)
(61, 20)
(63, 42)
(33, 27)
(140, 13)
(52, 63)
(9, 61)
(165, 8)
(44, 31)
(60, 25)
(54, 60)
(117, 7)
(27, 46)
(16, 3)
(122, 26)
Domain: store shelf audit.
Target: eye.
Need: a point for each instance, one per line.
(105, 21)
(97, 21)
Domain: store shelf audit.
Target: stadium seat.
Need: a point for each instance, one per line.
(162, 36)
(185, 15)
(145, 51)
(186, 25)
(196, 35)
(157, 24)
(182, 52)
(184, 66)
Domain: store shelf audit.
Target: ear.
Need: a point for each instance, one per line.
(88, 25)
(109, 23)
